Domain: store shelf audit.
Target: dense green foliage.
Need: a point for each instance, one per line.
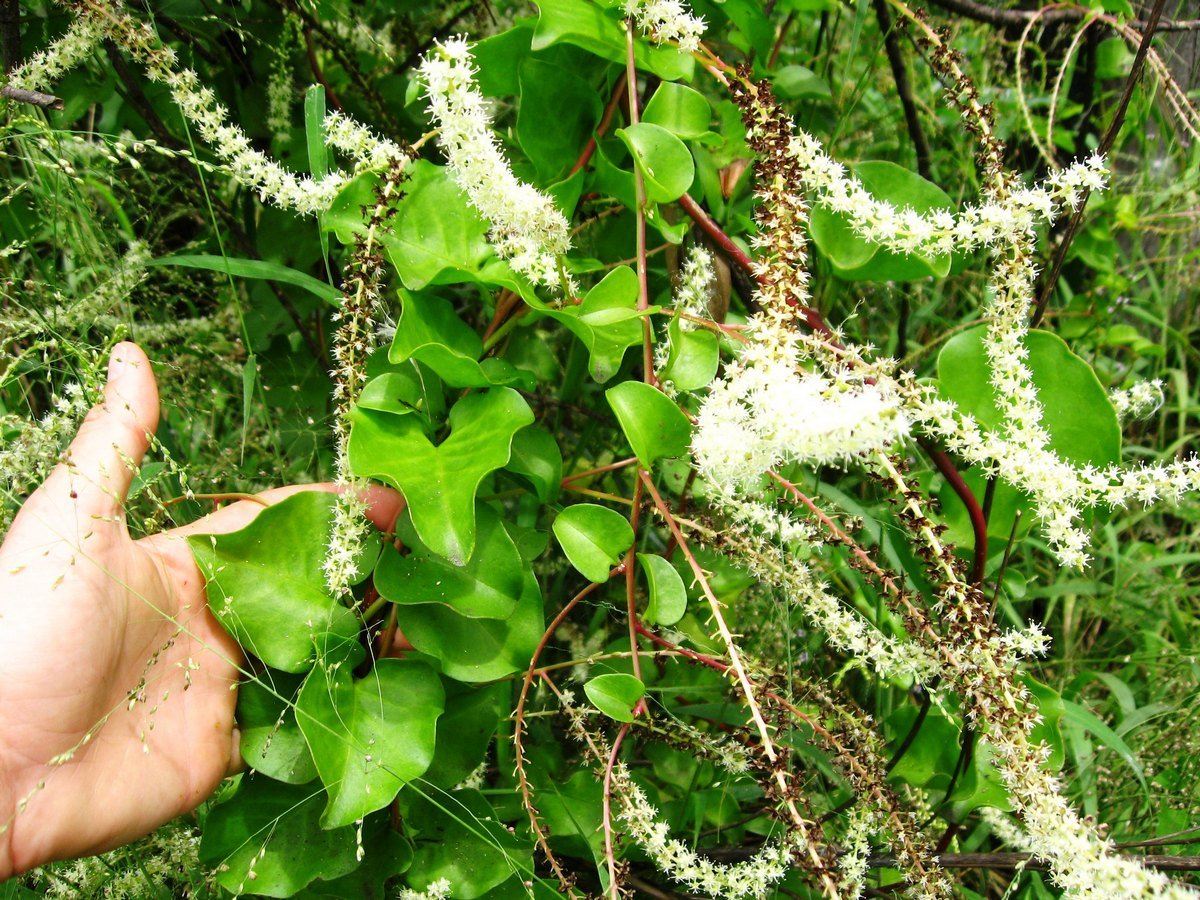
(439, 713)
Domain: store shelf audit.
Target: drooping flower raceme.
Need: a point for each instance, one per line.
(527, 229)
(667, 20)
(770, 409)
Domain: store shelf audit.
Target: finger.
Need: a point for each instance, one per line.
(383, 507)
(99, 465)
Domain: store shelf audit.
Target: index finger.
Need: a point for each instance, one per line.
(383, 508)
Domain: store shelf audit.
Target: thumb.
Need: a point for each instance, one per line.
(101, 461)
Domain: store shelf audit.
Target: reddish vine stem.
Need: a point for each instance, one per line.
(315, 65)
(946, 466)
(600, 470)
(631, 589)
(606, 120)
(614, 890)
(519, 728)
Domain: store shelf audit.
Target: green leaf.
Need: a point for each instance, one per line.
(800, 83)
(679, 109)
(692, 358)
(369, 736)
(607, 321)
(488, 586)
(594, 538)
(253, 268)
(440, 482)
(586, 25)
(465, 730)
(271, 741)
(668, 596)
(615, 695)
(314, 131)
(654, 426)
(430, 332)
(462, 839)
(273, 830)
(576, 109)
(536, 457)
(1077, 413)
(266, 583)
(436, 235)
(857, 259)
(664, 160)
(476, 649)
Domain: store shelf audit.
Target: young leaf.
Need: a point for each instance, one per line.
(692, 359)
(654, 426)
(369, 736)
(665, 162)
(606, 321)
(536, 457)
(440, 482)
(615, 695)
(668, 596)
(593, 537)
(266, 583)
(430, 332)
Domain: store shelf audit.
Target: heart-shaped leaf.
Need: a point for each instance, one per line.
(615, 695)
(440, 482)
(369, 736)
(266, 583)
(486, 587)
(594, 538)
(654, 426)
(268, 835)
(476, 649)
(668, 596)
(429, 331)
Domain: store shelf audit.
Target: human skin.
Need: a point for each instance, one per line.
(117, 685)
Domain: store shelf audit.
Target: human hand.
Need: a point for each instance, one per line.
(117, 685)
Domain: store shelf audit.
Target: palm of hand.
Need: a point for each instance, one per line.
(116, 700)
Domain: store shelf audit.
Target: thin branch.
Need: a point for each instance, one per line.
(34, 98)
(895, 55)
(10, 34)
(1018, 18)
(1110, 137)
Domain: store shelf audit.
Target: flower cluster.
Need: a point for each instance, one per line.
(42, 70)
(770, 408)
(667, 20)
(438, 889)
(751, 878)
(527, 229)
(1139, 400)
